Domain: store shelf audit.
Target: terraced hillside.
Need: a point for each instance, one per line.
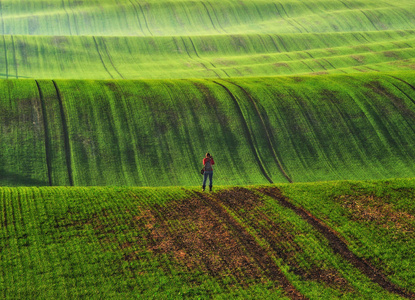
(315, 241)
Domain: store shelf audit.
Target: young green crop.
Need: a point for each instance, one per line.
(375, 217)
(178, 17)
(156, 132)
(218, 56)
(175, 242)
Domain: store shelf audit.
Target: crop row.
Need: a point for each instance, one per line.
(223, 56)
(178, 17)
(155, 133)
(235, 242)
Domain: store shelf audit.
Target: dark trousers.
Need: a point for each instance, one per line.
(205, 177)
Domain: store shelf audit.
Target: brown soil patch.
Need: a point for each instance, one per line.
(199, 234)
(279, 65)
(245, 204)
(370, 208)
(339, 246)
(359, 58)
(197, 238)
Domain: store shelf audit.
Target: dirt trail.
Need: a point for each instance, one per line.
(261, 257)
(338, 245)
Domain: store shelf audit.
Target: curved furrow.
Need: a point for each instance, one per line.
(248, 132)
(100, 57)
(256, 251)
(267, 131)
(339, 245)
(47, 135)
(110, 59)
(67, 141)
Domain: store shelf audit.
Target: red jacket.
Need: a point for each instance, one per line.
(211, 161)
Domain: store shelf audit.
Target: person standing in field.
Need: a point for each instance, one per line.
(208, 163)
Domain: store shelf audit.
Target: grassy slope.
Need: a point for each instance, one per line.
(213, 56)
(278, 127)
(199, 39)
(147, 241)
(119, 242)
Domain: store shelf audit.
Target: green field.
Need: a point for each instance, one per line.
(107, 108)
(154, 132)
(174, 243)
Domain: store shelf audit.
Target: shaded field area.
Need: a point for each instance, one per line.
(282, 129)
(269, 241)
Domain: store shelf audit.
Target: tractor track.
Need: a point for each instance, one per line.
(14, 56)
(138, 18)
(248, 132)
(5, 57)
(67, 15)
(267, 131)
(338, 245)
(210, 17)
(405, 82)
(197, 54)
(67, 144)
(261, 257)
(100, 56)
(198, 61)
(109, 57)
(47, 134)
(144, 17)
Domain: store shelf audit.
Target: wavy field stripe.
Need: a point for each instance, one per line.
(185, 17)
(261, 130)
(98, 57)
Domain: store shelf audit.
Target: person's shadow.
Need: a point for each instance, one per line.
(13, 179)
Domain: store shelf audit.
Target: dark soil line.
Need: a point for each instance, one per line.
(109, 57)
(145, 19)
(14, 56)
(407, 83)
(248, 133)
(303, 62)
(338, 245)
(345, 4)
(282, 43)
(217, 19)
(5, 57)
(67, 14)
(197, 54)
(47, 134)
(290, 20)
(275, 45)
(66, 135)
(370, 20)
(100, 56)
(261, 257)
(138, 18)
(407, 96)
(333, 67)
(74, 19)
(267, 131)
(210, 17)
(188, 53)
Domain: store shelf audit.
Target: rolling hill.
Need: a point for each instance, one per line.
(108, 106)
